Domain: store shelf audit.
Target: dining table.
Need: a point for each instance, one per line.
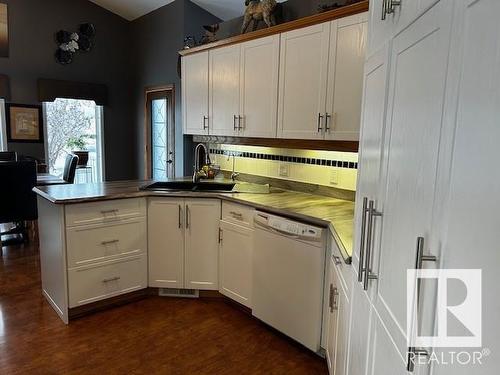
(43, 179)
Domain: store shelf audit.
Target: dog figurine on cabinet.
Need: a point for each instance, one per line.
(257, 11)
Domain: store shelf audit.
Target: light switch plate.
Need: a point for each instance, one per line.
(284, 170)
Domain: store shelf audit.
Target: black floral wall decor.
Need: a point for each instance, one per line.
(70, 43)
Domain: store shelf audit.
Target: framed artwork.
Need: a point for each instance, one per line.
(4, 30)
(24, 123)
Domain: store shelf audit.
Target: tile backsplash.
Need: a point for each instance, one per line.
(325, 168)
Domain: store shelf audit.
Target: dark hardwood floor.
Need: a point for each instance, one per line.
(152, 336)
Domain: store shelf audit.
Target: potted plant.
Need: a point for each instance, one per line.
(78, 147)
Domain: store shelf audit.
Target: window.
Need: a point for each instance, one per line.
(3, 127)
(75, 126)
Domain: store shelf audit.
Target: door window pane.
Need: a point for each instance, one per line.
(159, 140)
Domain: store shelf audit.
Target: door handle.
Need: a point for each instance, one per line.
(384, 10)
(391, 5)
(240, 118)
(234, 122)
(362, 240)
(332, 302)
(329, 117)
(187, 216)
(420, 259)
(180, 217)
(205, 122)
(320, 120)
(371, 214)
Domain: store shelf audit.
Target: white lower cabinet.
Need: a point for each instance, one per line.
(235, 262)
(338, 321)
(104, 280)
(183, 243)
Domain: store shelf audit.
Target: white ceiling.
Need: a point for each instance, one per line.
(132, 9)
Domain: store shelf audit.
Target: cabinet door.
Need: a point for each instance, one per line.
(202, 244)
(303, 81)
(166, 242)
(419, 61)
(370, 181)
(259, 87)
(235, 262)
(471, 189)
(224, 93)
(195, 93)
(345, 77)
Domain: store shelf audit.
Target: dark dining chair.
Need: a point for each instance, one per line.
(8, 156)
(17, 200)
(70, 168)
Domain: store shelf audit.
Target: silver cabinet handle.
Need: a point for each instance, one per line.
(221, 234)
(420, 259)
(111, 279)
(371, 214)
(240, 118)
(320, 120)
(384, 10)
(234, 122)
(104, 243)
(205, 122)
(362, 240)
(180, 217)
(332, 302)
(237, 215)
(391, 5)
(187, 216)
(104, 212)
(329, 117)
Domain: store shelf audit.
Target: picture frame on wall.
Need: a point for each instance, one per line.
(4, 30)
(24, 123)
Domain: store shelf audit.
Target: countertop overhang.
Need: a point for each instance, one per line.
(335, 214)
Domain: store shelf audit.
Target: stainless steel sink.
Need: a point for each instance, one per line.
(190, 186)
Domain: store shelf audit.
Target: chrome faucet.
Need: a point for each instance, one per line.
(198, 171)
(234, 174)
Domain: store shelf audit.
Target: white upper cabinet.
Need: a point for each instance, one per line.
(224, 91)
(348, 40)
(259, 87)
(195, 93)
(303, 82)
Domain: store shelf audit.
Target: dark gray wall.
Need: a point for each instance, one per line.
(32, 24)
(157, 37)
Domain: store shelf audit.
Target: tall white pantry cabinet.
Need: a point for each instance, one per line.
(427, 185)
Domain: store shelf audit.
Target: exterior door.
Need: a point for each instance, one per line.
(419, 61)
(160, 133)
(303, 82)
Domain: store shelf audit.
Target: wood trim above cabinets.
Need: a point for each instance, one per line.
(301, 144)
(292, 25)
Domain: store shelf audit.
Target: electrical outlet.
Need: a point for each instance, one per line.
(284, 170)
(334, 177)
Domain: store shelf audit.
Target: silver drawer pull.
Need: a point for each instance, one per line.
(104, 212)
(361, 266)
(109, 242)
(116, 278)
(368, 259)
(238, 215)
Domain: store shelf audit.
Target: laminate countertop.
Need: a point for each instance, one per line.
(332, 213)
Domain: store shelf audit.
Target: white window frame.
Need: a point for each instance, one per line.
(3, 126)
(99, 133)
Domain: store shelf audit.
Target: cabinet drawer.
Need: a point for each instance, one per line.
(98, 243)
(105, 211)
(344, 270)
(105, 280)
(237, 213)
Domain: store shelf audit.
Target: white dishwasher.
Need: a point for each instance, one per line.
(288, 274)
